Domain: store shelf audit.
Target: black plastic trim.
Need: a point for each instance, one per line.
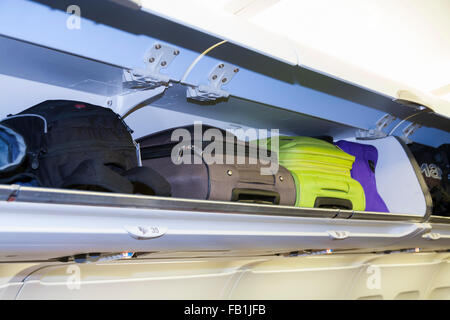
(423, 184)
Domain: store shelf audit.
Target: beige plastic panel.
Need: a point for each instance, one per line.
(394, 276)
(399, 276)
(440, 286)
(334, 276)
(201, 279)
(11, 277)
(317, 277)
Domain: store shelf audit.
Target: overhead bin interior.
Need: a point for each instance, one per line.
(90, 64)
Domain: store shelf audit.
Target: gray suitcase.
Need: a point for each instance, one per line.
(222, 182)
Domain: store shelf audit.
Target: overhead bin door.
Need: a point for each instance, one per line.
(102, 223)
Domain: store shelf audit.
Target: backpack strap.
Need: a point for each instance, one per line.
(91, 175)
(144, 178)
(25, 178)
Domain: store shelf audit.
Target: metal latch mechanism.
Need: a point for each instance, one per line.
(338, 235)
(146, 232)
(219, 76)
(159, 57)
(432, 236)
(376, 132)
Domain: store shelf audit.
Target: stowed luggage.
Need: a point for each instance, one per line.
(227, 176)
(435, 166)
(321, 172)
(77, 145)
(12, 157)
(363, 171)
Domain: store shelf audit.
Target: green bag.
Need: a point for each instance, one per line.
(321, 172)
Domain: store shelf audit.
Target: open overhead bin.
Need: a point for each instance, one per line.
(151, 68)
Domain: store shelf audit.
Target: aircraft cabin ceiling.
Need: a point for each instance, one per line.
(398, 48)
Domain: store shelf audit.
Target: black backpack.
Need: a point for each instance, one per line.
(435, 166)
(77, 145)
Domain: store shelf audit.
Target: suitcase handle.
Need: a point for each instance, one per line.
(255, 196)
(336, 203)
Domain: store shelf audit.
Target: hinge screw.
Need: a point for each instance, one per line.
(151, 60)
(163, 63)
(157, 46)
(236, 70)
(224, 80)
(229, 172)
(281, 178)
(221, 65)
(176, 52)
(214, 77)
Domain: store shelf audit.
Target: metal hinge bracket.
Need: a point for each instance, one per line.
(377, 132)
(160, 56)
(219, 76)
(408, 131)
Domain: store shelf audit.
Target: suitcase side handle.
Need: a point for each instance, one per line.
(255, 196)
(336, 203)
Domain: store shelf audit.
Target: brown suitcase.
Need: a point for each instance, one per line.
(223, 182)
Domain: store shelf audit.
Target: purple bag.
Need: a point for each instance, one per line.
(363, 171)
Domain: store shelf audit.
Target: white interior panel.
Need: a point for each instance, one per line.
(397, 180)
(20, 94)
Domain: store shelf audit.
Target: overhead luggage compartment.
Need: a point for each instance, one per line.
(112, 64)
(43, 224)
